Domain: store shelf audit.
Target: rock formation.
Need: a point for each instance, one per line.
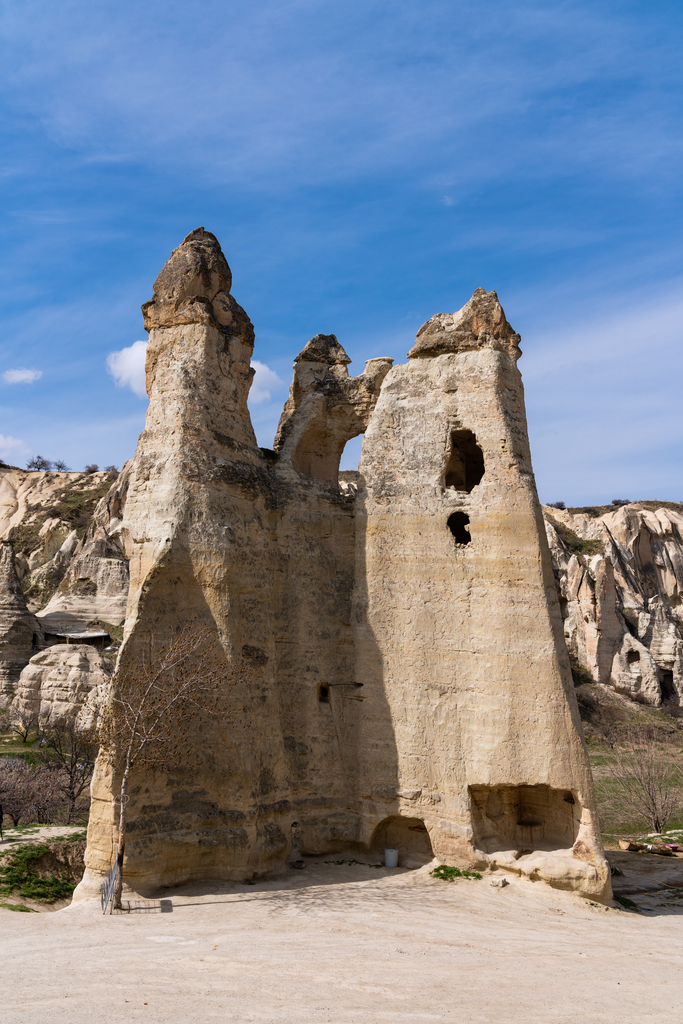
(20, 633)
(93, 571)
(63, 526)
(65, 685)
(620, 577)
(409, 683)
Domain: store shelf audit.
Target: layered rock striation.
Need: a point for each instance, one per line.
(408, 681)
(620, 577)
(64, 686)
(20, 633)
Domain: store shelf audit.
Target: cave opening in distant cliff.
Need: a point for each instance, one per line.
(324, 693)
(465, 466)
(459, 525)
(667, 686)
(632, 657)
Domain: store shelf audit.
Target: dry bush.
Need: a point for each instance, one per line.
(29, 793)
(644, 775)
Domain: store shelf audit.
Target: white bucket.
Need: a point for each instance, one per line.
(391, 858)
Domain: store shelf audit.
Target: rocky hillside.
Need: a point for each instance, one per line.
(68, 558)
(619, 572)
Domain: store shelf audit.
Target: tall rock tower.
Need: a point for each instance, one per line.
(408, 681)
(470, 711)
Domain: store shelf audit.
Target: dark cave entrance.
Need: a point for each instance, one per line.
(667, 686)
(459, 525)
(465, 466)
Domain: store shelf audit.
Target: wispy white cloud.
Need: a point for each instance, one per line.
(21, 376)
(12, 447)
(265, 381)
(603, 401)
(127, 367)
(394, 85)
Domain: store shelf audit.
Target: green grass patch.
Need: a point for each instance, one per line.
(448, 874)
(16, 876)
(575, 544)
(20, 907)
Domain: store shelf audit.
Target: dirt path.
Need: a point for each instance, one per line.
(349, 945)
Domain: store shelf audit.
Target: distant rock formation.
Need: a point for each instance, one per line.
(68, 557)
(409, 682)
(93, 571)
(620, 578)
(65, 685)
(20, 633)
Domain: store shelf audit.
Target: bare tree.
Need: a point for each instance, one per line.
(71, 752)
(28, 792)
(38, 462)
(645, 778)
(153, 701)
(23, 723)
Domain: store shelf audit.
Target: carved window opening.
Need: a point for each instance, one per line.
(324, 693)
(667, 684)
(459, 525)
(632, 657)
(465, 466)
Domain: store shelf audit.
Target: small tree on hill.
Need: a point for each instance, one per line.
(38, 462)
(146, 721)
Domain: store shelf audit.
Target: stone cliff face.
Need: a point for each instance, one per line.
(65, 685)
(20, 634)
(68, 558)
(394, 697)
(620, 577)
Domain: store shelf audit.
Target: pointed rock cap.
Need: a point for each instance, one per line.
(324, 348)
(479, 324)
(194, 288)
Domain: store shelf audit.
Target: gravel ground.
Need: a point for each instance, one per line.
(346, 944)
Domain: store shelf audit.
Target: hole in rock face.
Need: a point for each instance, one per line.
(667, 684)
(465, 466)
(632, 657)
(524, 817)
(407, 835)
(324, 693)
(459, 525)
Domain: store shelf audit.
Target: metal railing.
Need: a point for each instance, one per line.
(107, 888)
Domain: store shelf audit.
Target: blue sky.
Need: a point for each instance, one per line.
(365, 165)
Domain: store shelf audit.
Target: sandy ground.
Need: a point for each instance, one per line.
(349, 945)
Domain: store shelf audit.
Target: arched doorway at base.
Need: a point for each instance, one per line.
(408, 835)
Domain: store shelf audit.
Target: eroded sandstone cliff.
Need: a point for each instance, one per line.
(620, 576)
(409, 682)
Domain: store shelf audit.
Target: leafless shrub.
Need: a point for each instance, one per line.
(153, 703)
(29, 793)
(645, 779)
(22, 723)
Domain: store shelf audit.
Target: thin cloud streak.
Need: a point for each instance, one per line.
(21, 376)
